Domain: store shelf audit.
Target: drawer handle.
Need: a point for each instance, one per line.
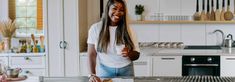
(27, 72)
(27, 58)
(230, 58)
(168, 58)
(140, 63)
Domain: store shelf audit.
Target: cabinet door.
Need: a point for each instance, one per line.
(27, 62)
(71, 36)
(143, 66)
(55, 35)
(227, 66)
(63, 26)
(167, 66)
(33, 72)
(4, 60)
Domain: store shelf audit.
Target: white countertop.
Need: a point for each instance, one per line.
(151, 51)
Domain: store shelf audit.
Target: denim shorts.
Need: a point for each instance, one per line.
(107, 72)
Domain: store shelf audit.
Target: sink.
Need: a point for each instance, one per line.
(216, 47)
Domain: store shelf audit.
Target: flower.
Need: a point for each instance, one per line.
(7, 28)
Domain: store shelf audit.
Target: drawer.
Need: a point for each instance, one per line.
(33, 72)
(27, 62)
(4, 60)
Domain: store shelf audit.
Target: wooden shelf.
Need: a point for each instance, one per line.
(182, 22)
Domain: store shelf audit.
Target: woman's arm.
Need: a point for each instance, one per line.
(92, 58)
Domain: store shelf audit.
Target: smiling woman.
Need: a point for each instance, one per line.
(28, 15)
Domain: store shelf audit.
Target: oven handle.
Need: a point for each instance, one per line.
(204, 65)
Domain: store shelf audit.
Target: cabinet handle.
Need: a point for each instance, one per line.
(27, 58)
(168, 58)
(230, 58)
(60, 44)
(27, 72)
(65, 44)
(140, 63)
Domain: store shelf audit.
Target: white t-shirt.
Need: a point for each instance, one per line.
(111, 58)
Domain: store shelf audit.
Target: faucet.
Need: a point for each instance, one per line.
(223, 37)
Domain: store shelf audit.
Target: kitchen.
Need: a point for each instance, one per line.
(165, 23)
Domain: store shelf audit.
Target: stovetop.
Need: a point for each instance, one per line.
(186, 79)
(202, 47)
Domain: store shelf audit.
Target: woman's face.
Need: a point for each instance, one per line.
(116, 11)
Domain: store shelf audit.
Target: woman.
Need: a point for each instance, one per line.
(113, 43)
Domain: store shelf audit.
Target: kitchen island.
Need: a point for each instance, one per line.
(145, 79)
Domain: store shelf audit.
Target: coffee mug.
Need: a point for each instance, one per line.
(119, 49)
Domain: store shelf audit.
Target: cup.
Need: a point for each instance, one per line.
(13, 72)
(119, 49)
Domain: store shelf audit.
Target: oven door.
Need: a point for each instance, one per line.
(201, 69)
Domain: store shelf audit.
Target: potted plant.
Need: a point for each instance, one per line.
(139, 9)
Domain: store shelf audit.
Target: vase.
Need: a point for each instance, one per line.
(139, 17)
(7, 43)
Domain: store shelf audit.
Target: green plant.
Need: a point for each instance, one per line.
(139, 9)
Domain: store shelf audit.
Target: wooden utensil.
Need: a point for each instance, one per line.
(212, 16)
(228, 15)
(35, 49)
(217, 12)
(33, 38)
(203, 13)
(196, 15)
(42, 42)
(208, 10)
(222, 11)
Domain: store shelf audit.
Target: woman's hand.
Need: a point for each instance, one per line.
(132, 55)
(94, 78)
(125, 52)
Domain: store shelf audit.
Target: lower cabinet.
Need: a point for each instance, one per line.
(227, 65)
(33, 72)
(31, 64)
(143, 66)
(167, 66)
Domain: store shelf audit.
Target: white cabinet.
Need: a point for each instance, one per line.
(167, 66)
(32, 64)
(143, 66)
(227, 66)
(27, 62)
(63, 40)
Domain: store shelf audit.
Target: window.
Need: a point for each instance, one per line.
(28, 16)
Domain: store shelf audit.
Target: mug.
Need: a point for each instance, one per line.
(119, 49)
(13, 72)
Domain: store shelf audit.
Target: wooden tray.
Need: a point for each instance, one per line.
(20, 78)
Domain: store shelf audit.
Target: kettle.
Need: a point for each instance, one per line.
(229, 41)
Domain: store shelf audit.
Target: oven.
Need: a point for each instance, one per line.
(201, 65)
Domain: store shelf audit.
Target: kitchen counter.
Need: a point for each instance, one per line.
(151, 51)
